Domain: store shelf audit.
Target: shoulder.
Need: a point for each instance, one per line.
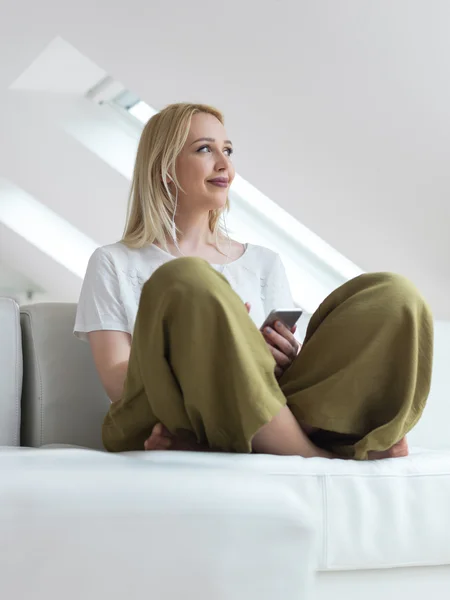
(262, 258)
(116, 257)
(123, 267)
(113, 253)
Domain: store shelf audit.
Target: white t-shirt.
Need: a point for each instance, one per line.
(115, 275)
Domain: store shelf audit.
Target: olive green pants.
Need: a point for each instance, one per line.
(200, 366)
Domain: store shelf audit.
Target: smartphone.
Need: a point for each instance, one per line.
(288, 316)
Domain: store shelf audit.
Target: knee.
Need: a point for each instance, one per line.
(190, 274)
(400, 288)
(395, 291)
(180, 269)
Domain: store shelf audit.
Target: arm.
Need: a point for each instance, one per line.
(102, 321)
(111, 352)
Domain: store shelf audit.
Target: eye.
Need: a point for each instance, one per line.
(203, 148)
(228, 151)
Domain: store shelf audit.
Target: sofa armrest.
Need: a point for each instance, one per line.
(10, 372)
(97, 525)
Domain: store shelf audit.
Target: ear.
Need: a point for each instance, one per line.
(167, 179)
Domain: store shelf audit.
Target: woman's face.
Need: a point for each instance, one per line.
(204, 168)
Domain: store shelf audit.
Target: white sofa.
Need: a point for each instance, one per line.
(203, 525)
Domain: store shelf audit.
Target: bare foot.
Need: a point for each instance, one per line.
(399, 449)
(162, 439)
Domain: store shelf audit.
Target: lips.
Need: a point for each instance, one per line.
(219, 182)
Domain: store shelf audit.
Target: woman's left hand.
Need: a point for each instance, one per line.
(283, 345)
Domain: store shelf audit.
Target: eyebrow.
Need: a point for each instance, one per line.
(207, 139)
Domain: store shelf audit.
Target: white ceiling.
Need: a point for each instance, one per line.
(339, 112)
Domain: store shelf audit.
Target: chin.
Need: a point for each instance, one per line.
(217, 201)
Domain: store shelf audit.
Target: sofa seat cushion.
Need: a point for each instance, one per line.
(367, 515)
(370, 515)
(83, 524)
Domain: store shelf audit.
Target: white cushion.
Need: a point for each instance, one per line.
(370, 515)
(81, 524)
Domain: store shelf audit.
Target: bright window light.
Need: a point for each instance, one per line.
(45, 229)
(142, 111)
(133, 105)
(298, 233)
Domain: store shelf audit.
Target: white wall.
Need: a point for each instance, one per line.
(433, 430)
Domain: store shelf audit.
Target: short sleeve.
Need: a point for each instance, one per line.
(100, 306)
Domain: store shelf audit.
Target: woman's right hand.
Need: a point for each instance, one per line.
(282, 344)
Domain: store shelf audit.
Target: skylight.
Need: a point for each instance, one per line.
(136, 107)
(45, 229)
(143, 112)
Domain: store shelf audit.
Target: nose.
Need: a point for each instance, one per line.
(221, 162)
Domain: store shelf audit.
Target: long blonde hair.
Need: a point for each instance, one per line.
(152, 205)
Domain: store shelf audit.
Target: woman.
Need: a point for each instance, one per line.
(175, 342)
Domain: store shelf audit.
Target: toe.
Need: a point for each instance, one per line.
(160, 438)
(164, 443)
(400, 449)
(165, 432)
(157, 429)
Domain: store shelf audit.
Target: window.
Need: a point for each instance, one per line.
(134, 106)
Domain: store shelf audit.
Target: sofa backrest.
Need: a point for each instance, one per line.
(10, 372)
(63, 401)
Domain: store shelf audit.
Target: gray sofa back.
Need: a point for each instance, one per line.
(63, 401)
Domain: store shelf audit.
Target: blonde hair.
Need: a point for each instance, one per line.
(151, 204)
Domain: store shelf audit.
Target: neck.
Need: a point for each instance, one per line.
(193, 231)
